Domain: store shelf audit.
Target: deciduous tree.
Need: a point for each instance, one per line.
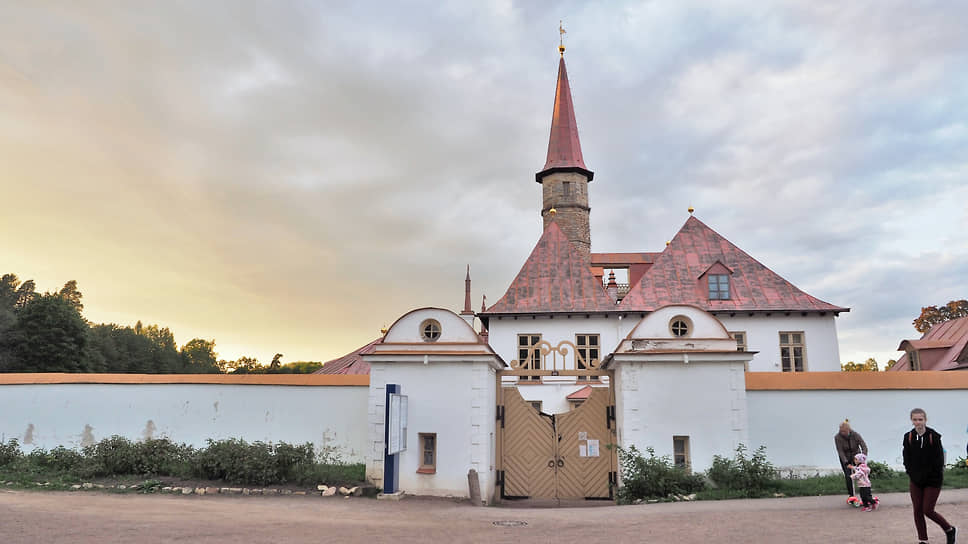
(49, 336)
(870, 365)
(932, 315)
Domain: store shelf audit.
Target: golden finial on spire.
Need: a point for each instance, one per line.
(561, 38)
(552, 212)
(691, 209)
(383, 330)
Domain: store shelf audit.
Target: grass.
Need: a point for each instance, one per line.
(833, 484)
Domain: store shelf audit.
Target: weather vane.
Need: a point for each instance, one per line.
(561, 38)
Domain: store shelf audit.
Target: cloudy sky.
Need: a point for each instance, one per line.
(291, 176)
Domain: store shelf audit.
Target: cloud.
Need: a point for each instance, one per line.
(289, 178)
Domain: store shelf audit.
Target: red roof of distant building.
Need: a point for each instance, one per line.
(950, 338)
(564, 148)
(554, 279)
(675, 276)
(581, 394)
(351, 363)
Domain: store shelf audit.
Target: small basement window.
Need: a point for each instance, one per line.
(430, 330)
(428, 453)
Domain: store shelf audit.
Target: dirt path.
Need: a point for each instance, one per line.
(87, 517)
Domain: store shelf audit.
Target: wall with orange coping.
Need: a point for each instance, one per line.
(796, 415)
(48, 410)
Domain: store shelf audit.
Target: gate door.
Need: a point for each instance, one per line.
(561, 456)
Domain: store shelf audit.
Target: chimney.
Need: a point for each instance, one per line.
(467, 313)
(612, 287)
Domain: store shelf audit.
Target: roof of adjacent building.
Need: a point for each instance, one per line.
(581, 394)
(950, 336)
(564, 148)
(555, 278)
(351, 363)
(675, 276)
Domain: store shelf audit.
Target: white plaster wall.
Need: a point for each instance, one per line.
(503, 333)
(553, 396)
(763, 336)
(455, 400)
(798, 427)
(762, 332)
(702, 400)
(49, 415)
(452, 327)
(657, 324)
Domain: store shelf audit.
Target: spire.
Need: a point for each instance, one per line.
(564, 149)
(467, 294)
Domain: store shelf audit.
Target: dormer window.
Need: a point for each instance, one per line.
(718, 287)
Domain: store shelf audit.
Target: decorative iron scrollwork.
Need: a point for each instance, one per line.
(544, 349)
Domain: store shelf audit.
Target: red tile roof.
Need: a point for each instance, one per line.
(581, 394)
(604, 259)
(555, 278)
(564, 149)
(351, 363)
(674, 278)
(950, 336)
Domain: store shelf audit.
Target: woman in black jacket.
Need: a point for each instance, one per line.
(924, 464)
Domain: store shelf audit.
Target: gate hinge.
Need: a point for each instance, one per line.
(609, 416)
(500, 415)
(612, 484)
(500, 482)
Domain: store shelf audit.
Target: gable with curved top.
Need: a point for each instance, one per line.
(453, 329)
(657, 323)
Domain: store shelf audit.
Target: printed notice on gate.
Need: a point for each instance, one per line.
(582, 450)
(582, 435)
(593, 448)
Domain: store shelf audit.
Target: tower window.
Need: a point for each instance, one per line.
(680, 452)
(566, 188)
(718, 287)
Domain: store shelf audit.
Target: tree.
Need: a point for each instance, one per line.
(932, 315)
(870, 365)
(890, 363)
(49, 336)
(25, 294)
(276, 362)
(244, 365)
(72, 295)
(199, 357)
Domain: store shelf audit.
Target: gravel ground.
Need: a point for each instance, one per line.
(97, 517)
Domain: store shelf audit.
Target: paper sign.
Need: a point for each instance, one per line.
(593, 448)
(582, 450)
(582, 435)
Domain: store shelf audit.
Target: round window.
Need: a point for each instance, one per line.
(430, 330)
(680, 326)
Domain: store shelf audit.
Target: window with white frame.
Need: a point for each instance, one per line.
(792, 351)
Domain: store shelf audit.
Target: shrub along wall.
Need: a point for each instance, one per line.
(79, 410)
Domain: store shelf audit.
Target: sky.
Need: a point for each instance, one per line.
(289, 177)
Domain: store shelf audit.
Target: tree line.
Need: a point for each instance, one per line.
(48, 333)
(930, 316)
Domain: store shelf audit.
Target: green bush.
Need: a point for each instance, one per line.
(162, 456)
(749, 476)
(9, 452)
(115, 455)
(960, 464)
(880, 470)
(653, 477)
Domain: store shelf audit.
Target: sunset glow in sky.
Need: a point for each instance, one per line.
(288, 177)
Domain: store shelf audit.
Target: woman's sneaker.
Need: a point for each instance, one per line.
(866, 509)
(950, 536)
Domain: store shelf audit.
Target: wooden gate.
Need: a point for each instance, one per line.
(556, 456)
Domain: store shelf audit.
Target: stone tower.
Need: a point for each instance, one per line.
(565, 178)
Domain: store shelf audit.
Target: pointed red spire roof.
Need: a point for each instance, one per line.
(553, 279)
(467, 294)
(564, 148)
(675, 278)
